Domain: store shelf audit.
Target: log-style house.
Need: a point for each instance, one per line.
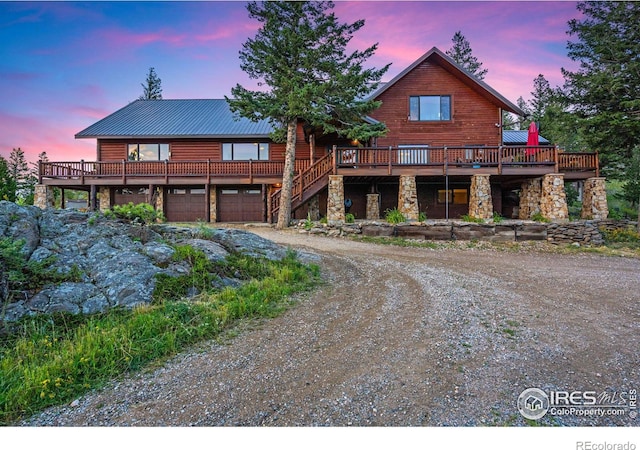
(445, 155)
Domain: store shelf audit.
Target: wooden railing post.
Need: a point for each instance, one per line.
(390, 154)
(500, 160)
(166, 171)
(251, 171)
(124, 171)
(598, 165)
(555, 159)
(82, 171)
(208, 171)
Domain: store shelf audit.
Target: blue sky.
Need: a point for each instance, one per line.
(66, 65)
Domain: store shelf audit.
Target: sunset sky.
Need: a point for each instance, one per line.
(66, 65)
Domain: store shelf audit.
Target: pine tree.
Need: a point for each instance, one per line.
(23, 177)
(299, 54)
(8, 185)
(152, 86)
(461, 53)
(603, 91)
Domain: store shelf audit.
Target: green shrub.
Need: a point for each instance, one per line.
(349, 218)
(142, 213)
(538, 217)
(468, 218)
(620, 235)
(497, 217)
(422, 217)
(394, 216)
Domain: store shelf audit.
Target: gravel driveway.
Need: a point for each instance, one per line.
(402, 337)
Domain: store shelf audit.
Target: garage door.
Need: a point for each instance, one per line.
(123, 196)
(186, 204)
(240, 204)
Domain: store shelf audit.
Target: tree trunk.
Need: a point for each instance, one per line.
(284, 214)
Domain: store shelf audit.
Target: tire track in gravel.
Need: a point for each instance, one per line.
(397, 337)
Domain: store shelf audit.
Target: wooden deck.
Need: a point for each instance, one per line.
(392, 161)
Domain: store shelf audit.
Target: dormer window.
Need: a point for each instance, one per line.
(430, 108)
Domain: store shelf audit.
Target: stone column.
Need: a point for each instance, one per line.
(553, 202)
(530, 193)
(213, 203)
(314, 208)
(408, 197)
(159, 199)
(480, 201)
(594, 199)
(43, 196)
(335, 199)
(373, 206)
(104, 193)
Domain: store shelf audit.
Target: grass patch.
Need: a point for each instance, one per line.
(50, 360)
(394, 216)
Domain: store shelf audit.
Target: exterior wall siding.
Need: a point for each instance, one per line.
(473, 117)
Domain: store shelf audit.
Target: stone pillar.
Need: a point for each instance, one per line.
(158, 204)
(594, 199)
(530, 194)
(43, 196)
(480, 201)
(553, 202)
(408, 197)
(373, 206)
(335, 200)
(105, 198)
(213, 203)
(314, 208)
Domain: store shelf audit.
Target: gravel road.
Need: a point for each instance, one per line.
(401, 337)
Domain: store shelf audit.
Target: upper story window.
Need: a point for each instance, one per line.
(430, 107)
(241, 151)
(148, 152)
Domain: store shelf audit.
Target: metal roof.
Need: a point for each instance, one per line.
(176, 118)
(516, 137)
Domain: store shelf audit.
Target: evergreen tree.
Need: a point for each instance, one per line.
(461, 53)
(23, 177)
(299, 54)
(152, 86)
(604, 91)
(8, 185)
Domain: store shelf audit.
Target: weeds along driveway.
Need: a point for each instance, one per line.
(402, 337)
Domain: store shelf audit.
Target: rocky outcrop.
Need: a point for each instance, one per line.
(117, 262)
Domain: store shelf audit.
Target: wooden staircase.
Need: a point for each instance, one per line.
(306, 184)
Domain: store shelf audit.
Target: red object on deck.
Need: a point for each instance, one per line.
(533, 139)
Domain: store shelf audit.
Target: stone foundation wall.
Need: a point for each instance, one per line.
(213, 204)
(104, 194)
(314, 207)
(408, 197)
(553, 202)
(530, 193)
(335, 199)
(373, 206)
(594, 199)
(43, 196)
(585, 232)
(480, 202)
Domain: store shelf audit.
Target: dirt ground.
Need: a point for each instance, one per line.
(403, 337)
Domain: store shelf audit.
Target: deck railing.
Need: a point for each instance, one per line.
(461, 157)
(75, 170)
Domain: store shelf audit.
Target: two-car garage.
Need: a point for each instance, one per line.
(243, 203)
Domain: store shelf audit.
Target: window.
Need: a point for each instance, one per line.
(455, 196)
(148, 152)
(430, 107)
(413, 154)
(240, 151)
